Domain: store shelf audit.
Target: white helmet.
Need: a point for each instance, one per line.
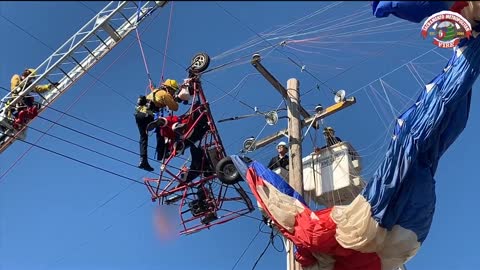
(282, 144)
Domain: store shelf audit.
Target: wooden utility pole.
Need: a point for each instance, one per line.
(294, 131)
(295, 166)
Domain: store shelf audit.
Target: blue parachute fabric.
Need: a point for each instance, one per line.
(268, 175)
(413, 11)
(402, 191)
(241, 166)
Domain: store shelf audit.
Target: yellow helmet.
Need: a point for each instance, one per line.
(32, 71)
(171, 83)
(29, 72)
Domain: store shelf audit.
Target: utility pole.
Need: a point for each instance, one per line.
(295, 166)
(294, 131)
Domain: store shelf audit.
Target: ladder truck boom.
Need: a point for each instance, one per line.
(76, 57)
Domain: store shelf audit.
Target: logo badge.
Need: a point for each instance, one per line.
(446, 28)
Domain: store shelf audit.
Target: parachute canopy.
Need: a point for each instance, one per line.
(386, 223)
(413, 11)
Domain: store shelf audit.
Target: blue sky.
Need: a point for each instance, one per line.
(59, 214)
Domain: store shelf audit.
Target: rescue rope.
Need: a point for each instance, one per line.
(166, 43)
(150, 82)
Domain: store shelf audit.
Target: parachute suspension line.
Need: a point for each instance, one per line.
(238, 62)
(166, 42)
(388, 100)
(150, 82)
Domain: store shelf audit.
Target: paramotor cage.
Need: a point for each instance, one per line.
(206, 200)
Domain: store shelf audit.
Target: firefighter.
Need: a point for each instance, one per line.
(147, 106)
(26, 109)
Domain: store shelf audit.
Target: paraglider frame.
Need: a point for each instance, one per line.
(216, 177)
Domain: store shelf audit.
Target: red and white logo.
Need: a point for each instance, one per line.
(447, 29)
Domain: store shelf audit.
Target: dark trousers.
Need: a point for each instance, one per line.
(197, 154)
(142, 120)
(196, 164)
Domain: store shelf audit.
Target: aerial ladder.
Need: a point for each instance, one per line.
(76, 57)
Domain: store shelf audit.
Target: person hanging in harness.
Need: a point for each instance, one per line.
(184, 131)
(147, 107)
(25, 110)
(280, 160)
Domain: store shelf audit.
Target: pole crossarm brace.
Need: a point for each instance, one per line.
(306, 122)
(275, 83)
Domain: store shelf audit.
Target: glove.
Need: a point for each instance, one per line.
(141, 101)
(179, 100)
(55, 84)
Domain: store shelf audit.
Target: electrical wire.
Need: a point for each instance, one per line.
(78, 98)
(245, 250)
(93, 137)
(83, 147)
(77, 160)
(270, 241)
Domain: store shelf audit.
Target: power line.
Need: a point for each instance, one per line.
(82, 133)
(109, 143)
(53, 50)
(96, 126)
(77, 160)
(96, 80)
(88, 135)
(26, 32)
(245, 250)
(82, 147)
(270, 241)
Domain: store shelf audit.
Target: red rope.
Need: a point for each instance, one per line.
(71, 106)
(144, 59)
(166, 43)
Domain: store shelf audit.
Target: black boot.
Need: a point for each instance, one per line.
(144, 165)
(159, 122)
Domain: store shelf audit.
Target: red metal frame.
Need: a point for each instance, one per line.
(169, 182)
